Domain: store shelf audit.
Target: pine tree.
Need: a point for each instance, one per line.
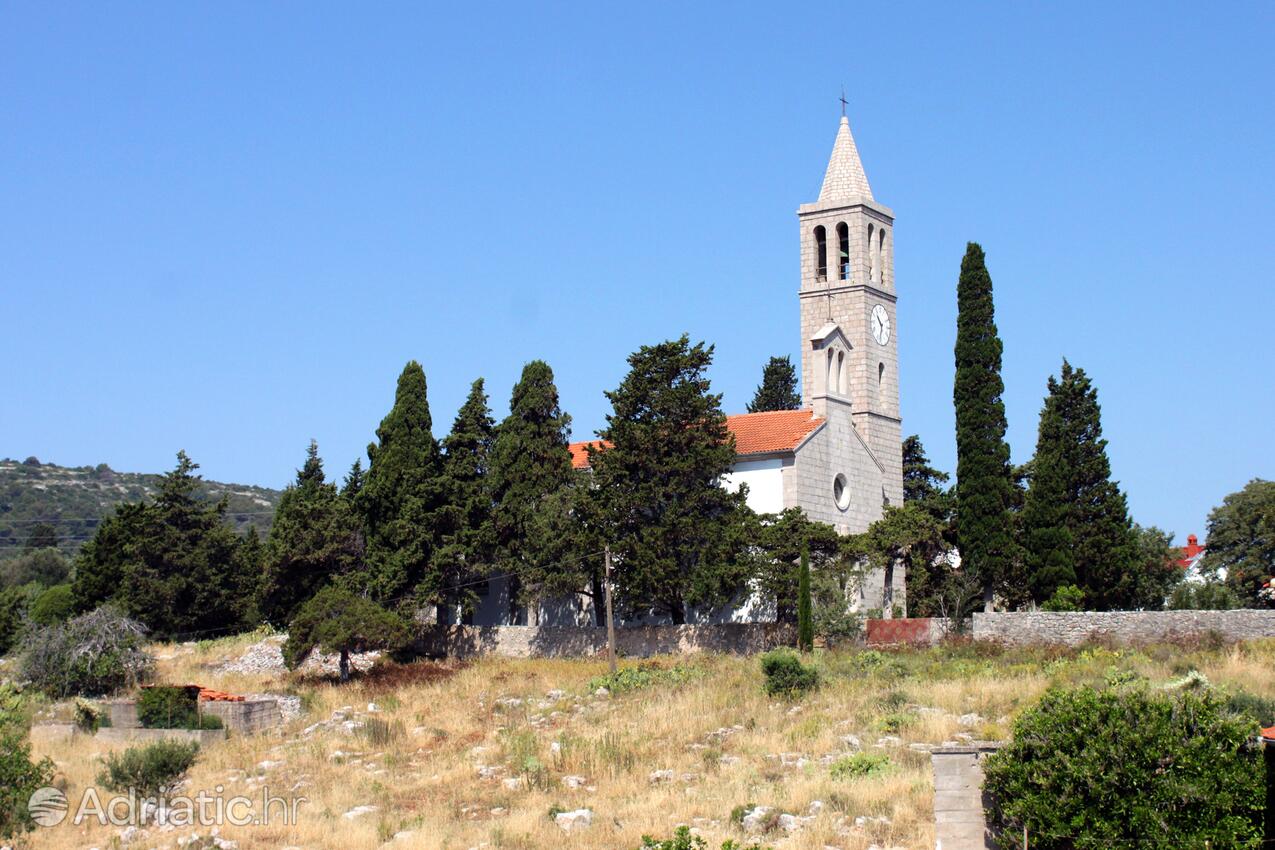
(983, 486)
(353, 481)
(679, 537)
(313, 538)
(174, 564)
(921, 482)
(805, 623)
(1076, 520)
(467, 540)
(530, 466)
(402, 496)
(778, 389)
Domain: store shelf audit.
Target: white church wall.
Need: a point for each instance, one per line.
(765, 480)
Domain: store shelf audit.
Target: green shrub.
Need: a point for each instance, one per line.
(55, 605)
(88, 655)
(210, 722)
(152, 771)
(1250, 705)
(642, 676)
(786, 675)
(88, 717)
(169, 707)
(1089, 768)
(1066, 598)
(859, 765)
(19, 778)
(1210, 596)
(683, 840)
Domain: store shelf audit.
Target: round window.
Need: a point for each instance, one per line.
(841, 491)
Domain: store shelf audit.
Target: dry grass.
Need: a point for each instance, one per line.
(418, 760)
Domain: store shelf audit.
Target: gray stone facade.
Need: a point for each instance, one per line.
(1132, 627)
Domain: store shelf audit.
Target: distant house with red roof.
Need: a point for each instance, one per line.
(1192, 554)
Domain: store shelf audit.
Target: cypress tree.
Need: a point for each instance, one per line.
(778, 389)
(530, 466)
(678, 534)
(467, 538)
(983, 483)
(805, 623)
(1076, 520)
(313, 538)
(402, 495)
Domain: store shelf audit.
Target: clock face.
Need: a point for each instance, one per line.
(880, 325)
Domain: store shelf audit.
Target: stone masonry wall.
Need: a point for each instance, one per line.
(632, 642)
(1072, 628)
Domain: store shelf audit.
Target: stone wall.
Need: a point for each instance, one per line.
(632, 642)
(247, 716)
(1132, 627)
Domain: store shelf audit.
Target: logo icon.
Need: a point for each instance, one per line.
(47, 806)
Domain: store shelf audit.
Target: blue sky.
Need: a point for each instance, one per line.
(227, 228)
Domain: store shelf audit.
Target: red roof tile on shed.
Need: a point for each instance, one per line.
(755, 433)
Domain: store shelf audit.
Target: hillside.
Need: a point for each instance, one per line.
(461, 755)
(75, 499)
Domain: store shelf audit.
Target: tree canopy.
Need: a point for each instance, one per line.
(778, 388)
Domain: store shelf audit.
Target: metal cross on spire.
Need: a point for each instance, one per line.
(843, 101)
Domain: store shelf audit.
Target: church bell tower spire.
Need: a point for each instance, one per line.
(849, 354)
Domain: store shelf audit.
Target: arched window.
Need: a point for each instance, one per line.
(830, 386)
(881, 257)
(872, 256)
(841, 372)
(843, 251)
(821, 253)
(880, 373)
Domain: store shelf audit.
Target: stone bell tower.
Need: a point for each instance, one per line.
(849, 333)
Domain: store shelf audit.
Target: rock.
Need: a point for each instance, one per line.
(970, 719)
(574, 821)
(791, 823)
(920, 748)
(130, 834)
(514, 783)
(602, 692)
(852, 741)
(756, 820)
(556, 695)
(816, 806)
(658, 776)
(890, 741)
(360, 811)
(373, 708)
(555, 748)
(266, 765)
(573, 782)
(727, 761)
(487, 771)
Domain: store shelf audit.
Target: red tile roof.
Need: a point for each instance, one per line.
(755, 433)
(205, 694)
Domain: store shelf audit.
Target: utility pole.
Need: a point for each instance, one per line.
(610, 614)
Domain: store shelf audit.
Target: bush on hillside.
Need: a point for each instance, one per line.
(168, 707)
(1090, 768)
(90, 655)
(55, 605)
(153, 770)
(335, 620)
(786, 675)
(13, 607)
(19, 778)
(683, 840)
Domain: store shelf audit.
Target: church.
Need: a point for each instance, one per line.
(840, 457)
